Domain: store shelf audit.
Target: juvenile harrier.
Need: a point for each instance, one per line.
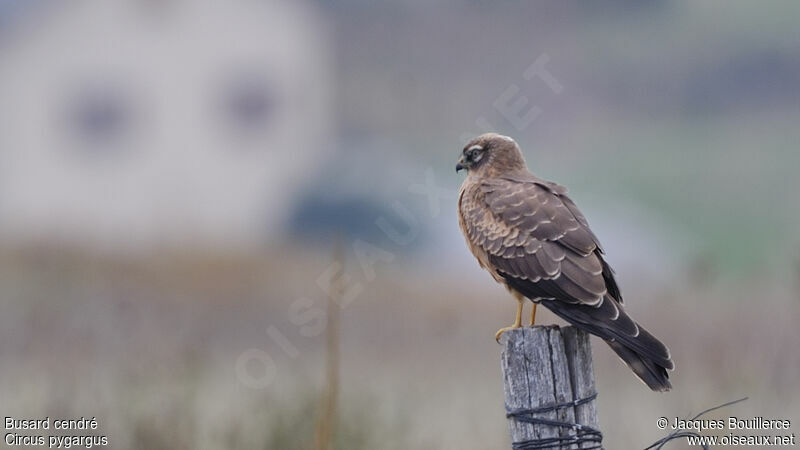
(531, 238)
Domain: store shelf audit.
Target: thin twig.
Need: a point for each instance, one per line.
(327, 420)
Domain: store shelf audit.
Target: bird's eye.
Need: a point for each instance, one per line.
(476, 155)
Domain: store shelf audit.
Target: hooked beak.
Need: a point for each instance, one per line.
(460, 164)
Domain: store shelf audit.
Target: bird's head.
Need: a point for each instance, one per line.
(491, 154)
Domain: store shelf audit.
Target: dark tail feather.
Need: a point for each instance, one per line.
(648, 357)
(653, 375)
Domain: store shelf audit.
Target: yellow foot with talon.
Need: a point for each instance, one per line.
(517, 320)
(503, 330)
(533, 314)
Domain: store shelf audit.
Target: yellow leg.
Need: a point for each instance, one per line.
(533, 314)
(517, 321)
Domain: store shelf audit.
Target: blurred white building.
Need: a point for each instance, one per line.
(135, 124)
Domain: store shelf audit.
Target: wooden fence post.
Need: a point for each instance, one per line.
(549, 389)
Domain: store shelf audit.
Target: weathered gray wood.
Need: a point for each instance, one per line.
(581, 371)
(562, 382)
(544, 366)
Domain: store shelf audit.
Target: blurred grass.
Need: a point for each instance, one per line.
(149, 347)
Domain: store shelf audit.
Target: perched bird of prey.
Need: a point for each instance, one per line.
(529, 235)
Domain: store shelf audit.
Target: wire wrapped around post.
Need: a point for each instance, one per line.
(549, 389)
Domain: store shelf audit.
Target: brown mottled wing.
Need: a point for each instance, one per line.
(532, 237)
(531, 231)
